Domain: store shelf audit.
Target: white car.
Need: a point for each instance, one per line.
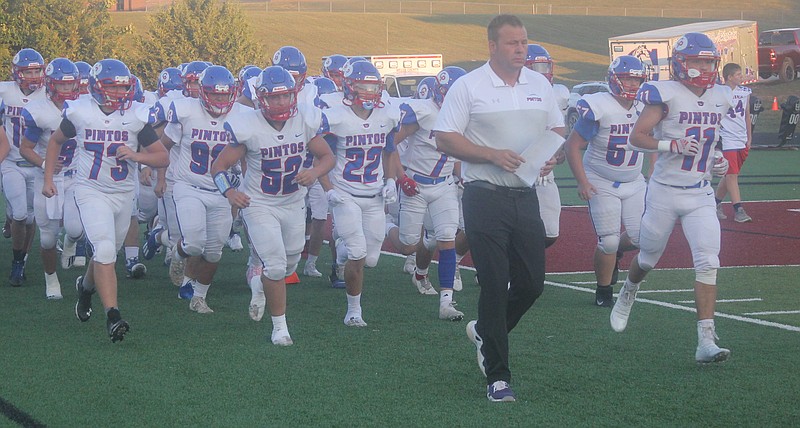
(577, 92)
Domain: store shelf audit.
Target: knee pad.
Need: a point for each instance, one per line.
(429, 241)
(646, 266)
(275, 273)
(47, 239)
(608, 244)
(191, 249)
(447, 234)
(706, 276)
(371, 261)
(291, 263)
(104, 252)
(212, 257)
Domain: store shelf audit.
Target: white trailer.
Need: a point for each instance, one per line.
(737, 42)
(402, 73)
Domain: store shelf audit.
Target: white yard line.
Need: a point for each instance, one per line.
(773, 313)
(753, 299)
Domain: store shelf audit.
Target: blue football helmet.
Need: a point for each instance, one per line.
(246, 73)
(694, 46)
(444, 81)
(626, 66)
(138, 90)
(84, 69)
(111, 84)
(27, 69)
(539, 60)
(324, 85)
(62, 80)
(291, 59)
(425, 88)
(332, 69)
(276, 91)
(191, 78)
(218, 90)
(169, 80)
(362, 85)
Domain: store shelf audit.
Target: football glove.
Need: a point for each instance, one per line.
(408, 185)
(389, 191)
(334, 198)
(720, 167)
(685, 146)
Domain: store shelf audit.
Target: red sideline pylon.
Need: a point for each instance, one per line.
(293, 279)
(775, 104)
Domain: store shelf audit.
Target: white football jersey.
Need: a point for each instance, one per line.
(359, 144)
(14, 101)
(331, 100)
(42, 118)
(98, 136)
(308, 94)
(606, 125)
(274, 157)
(734, 124)
(150, 98)
(562, 97)
(686, 115)
(421, 156)
(199, 138)
(160, 110)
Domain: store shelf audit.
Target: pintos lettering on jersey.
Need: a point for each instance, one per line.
(621, 129)
(209, 135)
(282, 150)
(699, 118)
(105, 135)
(14, 111)
(365, 140)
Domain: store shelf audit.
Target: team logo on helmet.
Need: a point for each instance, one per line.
(615, 63)
(16, 58)
(682, 44)
(97, 69)
(443, 77)
(49, 70)
(347, 69)
(277, 57)
(423, 92)
(328, 62)
(164, 77)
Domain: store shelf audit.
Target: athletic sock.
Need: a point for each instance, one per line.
(354, 305)
(19, 255)
(737, 206)
(311, 260)
(200, 290)
(279, 323)
(446, 297)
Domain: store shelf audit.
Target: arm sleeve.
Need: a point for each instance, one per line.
(147, 135)
(67, 128)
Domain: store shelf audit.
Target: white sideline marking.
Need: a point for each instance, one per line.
(685, 290)
(754, 299)
(773, 313)
(688, 309)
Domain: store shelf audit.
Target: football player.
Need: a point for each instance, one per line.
(27, 69)
(108, 128)
(293, 61)
(610, 175)
(539, 60)
(356, 191)
(276, 142)
(195, 130)
(429, 190)
(42, 118)
(681, 121)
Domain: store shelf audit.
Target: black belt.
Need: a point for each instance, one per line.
(506, 191)
(702, 183)
(205, 189)
(365, 196)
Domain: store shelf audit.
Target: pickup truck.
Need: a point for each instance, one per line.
(779, 53)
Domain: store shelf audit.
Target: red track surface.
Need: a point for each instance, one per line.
(772, 238)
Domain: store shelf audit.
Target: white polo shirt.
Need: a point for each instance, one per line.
(490, 113)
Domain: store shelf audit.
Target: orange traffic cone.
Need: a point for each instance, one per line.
(775, 104)
(293, 279)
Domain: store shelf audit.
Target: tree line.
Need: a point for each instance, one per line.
(81, 30)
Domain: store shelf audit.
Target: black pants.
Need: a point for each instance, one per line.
(506, 237)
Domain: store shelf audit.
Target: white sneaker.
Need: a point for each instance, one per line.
(472, 334)
(310, 269)
(410, 265)
(354, 321)
(176, 266)
(450, 313)
(281, 338)
(622, 308)
(423, 285)
(198, 304)
(253, 272)
(68, 253)
(235, 242)
(707, 349)
(53, 291)
(457, 284)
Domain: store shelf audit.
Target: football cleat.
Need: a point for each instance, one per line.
(410, 264)
(282, 338)
(68, 253)
(117, 329)
(604, 296)
(450, 313)
(53, 290)
(186, 291)
(622, 308)
(457, 284)
(423, 285)
(310, 269)
(199, 305)
(707, 349)
(176, 267)
(354, 321)
(134, 269)
(83, 309)
(17, 276)
(152, 244)
(235, 242)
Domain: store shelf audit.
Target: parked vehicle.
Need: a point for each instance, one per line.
(575, 94)
(779, 53)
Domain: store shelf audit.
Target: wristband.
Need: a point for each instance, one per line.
(223, 182)
(665, 145)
